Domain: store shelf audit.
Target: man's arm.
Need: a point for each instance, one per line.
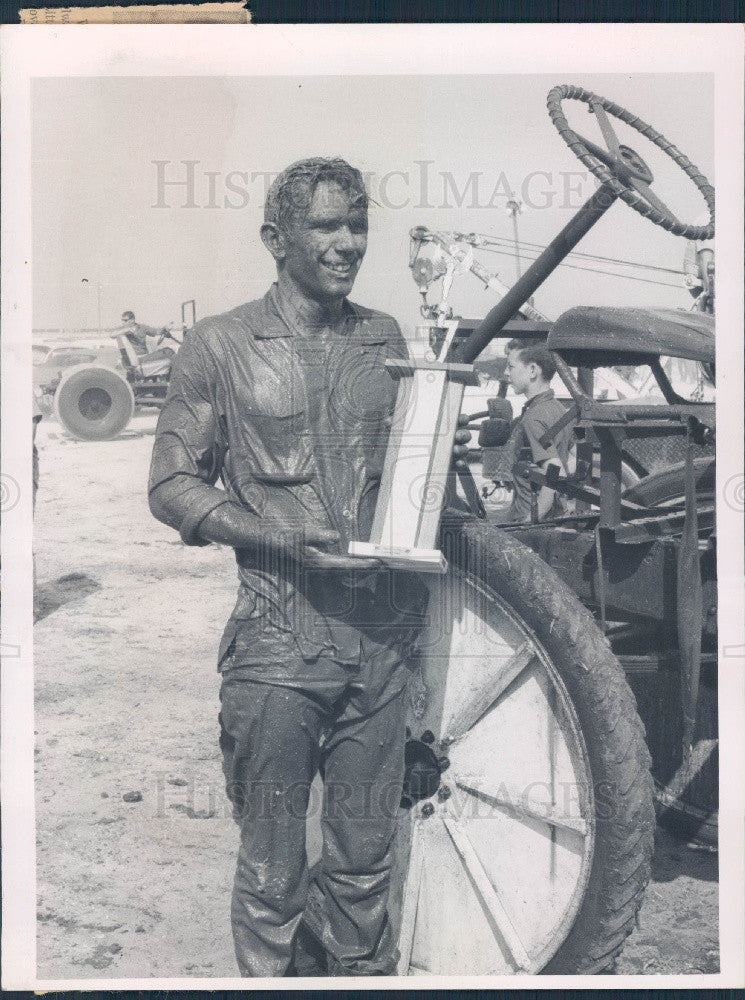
(186, 463)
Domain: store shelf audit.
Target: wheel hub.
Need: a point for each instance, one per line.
(422, 769)
(94, 403)
(632, 164)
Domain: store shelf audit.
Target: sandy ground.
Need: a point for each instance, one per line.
(127, 701)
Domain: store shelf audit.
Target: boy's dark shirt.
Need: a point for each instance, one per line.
(538, 415)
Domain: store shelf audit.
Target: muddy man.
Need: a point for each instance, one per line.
(287, 401)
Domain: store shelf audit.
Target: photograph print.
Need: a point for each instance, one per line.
(375, 511)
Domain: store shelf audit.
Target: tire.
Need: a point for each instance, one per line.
(93, 403)
(686, 793)
(529, 885)
(668, 485)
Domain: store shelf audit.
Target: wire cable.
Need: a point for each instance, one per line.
(504, 241)
(537, 247)
(593, 270)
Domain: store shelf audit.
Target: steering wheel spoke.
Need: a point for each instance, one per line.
(611, 139)
(649, 196)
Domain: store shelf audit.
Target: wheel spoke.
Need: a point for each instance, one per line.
(650, 197)
(487, 690)
(411, 901)
(516, 804)
(611, 139)
(486, 891)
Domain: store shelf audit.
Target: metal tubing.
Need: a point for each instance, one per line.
(610, 478)
(537, 273)
(566, 375)
(629, 412)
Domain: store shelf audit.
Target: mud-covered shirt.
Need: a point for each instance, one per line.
(295, 429)
(538, 415)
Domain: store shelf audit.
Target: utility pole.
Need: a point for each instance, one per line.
(514, 208)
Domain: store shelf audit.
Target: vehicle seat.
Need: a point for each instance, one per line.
(157, 363)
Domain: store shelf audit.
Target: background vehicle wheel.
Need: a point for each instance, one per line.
(668, 485)
(527, 847)
(686, 792)
(93, 403)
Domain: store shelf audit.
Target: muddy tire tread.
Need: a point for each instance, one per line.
(598, 686)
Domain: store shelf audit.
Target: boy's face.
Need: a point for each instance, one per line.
(520, 375)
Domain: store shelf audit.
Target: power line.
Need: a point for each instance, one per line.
(503, 241)
(593, 270)
(596, 257)
(526, 245)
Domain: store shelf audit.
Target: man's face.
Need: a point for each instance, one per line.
(519, 374)
(325, 246)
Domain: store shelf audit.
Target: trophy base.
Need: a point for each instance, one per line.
(418, 560)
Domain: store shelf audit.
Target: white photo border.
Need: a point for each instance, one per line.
(562, 50)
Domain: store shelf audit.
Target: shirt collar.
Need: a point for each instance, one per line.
(274, 325)
(548, 394)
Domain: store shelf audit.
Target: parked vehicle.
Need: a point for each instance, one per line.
(51, 360)
(95, 398)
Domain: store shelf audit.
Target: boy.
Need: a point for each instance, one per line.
(530, 369)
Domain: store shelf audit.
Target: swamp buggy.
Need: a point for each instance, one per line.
(526, 828)
(95, 401)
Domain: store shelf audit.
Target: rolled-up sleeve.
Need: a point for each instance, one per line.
(187, 454)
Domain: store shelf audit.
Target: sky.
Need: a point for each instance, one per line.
(149, 191)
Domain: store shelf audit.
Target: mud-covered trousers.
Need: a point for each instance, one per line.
(350, 724)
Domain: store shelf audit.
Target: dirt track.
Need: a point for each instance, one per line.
(126, 702)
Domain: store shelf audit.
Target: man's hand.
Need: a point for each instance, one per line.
(462, 437)
(310, 552)
(315, 559)
(307, 545)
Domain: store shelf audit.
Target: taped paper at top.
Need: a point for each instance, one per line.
(177, 13)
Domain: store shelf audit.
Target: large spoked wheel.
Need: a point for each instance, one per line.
(621, 168)
(526, 846)
(93, 403)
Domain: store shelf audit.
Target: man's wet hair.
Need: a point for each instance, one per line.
(128, 315)
(534, 351)
(291, 192)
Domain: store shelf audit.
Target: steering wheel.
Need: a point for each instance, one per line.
(621, 168)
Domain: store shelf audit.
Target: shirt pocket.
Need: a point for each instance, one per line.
(362, 391)
(362, 398)
(279, 444)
